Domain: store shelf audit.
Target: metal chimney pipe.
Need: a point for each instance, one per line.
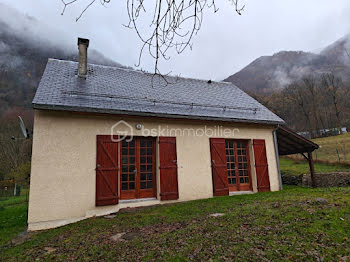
(83, 45)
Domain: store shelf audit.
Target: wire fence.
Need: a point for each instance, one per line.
(332, 153)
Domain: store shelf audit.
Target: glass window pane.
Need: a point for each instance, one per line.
(124, 151)
(143, 159)
(124, 177)
(241, 180)
(229, 181)
(124, 160)
(142, 143)
(149, 184)
(124, 186)
(124, 168)
(149, 151)
(132, 151)
(131, 168)
(149, 159)
(149, 176)
(132, 143)
(132, 186)
(124, 143)
(143, 151)
(143, 168)
(246, 179)
(132, 160)
(143, 185)
(149, 143)
(132, 177)
(143, 176)
(149, 168)
(234, 181)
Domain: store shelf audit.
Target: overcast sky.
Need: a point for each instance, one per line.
(226, 43)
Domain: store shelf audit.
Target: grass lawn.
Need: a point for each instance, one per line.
(13, 217)
(285, 225)
(330, 145)
(297, 167)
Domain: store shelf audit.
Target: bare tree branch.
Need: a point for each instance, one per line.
(173, 25)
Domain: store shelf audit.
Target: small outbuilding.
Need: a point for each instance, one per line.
(107, 138)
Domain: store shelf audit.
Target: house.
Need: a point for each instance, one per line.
(107, 138)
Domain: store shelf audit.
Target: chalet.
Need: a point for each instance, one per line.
(107, 138)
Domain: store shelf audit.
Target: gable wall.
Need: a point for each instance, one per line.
(64, 161)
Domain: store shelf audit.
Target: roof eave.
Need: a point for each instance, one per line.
(133, 113)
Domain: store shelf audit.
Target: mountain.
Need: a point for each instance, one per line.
(268, 73)
(24, 51)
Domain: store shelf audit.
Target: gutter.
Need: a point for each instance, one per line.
(277, 156)
(150, 114)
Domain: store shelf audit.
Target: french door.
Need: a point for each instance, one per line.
(238, 166)
(138, 168)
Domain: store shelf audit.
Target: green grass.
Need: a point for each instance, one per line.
(13, 217)
(330, 145)
(285, 225)
(297, 167)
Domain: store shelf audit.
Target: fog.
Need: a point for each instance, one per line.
(226, 43)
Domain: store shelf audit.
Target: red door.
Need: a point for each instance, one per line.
(168, 168)
(138, 168)
(261, 166)
(106, 171)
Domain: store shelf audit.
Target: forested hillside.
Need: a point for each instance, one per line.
(22, 62)
(268, 74)
(312, 104)
(23, 57)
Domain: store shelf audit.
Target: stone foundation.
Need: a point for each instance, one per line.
(335, 179)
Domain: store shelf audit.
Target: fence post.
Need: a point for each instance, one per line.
(338, 154)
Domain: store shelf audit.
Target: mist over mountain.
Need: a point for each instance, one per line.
(25, 46)
(268, 73)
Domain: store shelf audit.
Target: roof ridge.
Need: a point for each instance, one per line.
(145, 72)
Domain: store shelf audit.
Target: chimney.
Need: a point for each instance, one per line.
(83, 45)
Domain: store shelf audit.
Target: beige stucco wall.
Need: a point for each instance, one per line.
(62, 188)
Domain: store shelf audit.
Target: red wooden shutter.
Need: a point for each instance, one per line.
(261, 166)
(106, 171)
(168, 168)
(219, 166)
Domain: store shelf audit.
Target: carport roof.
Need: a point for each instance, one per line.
(289, 142)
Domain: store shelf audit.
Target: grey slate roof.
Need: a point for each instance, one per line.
(124, 91)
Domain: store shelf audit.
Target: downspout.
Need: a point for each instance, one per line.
(277, 156)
